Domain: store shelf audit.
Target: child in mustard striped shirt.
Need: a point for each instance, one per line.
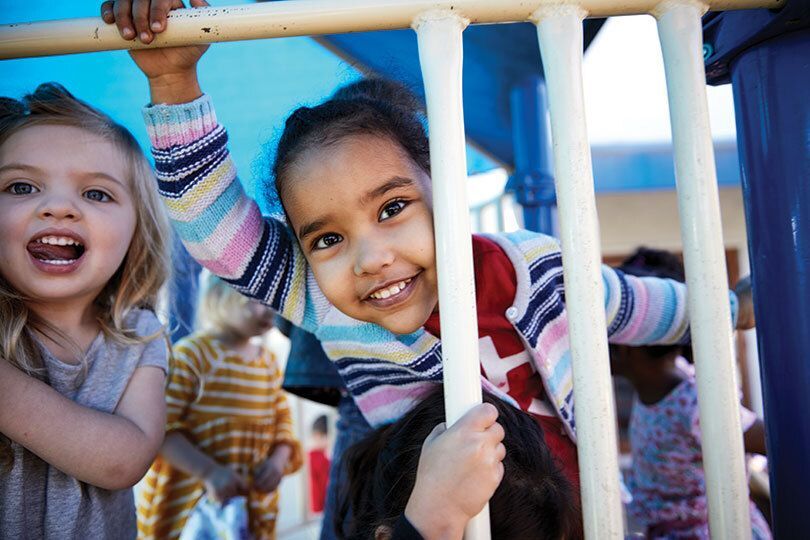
(229, 430)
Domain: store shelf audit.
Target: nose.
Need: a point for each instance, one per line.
(59, 206)
(373, 255)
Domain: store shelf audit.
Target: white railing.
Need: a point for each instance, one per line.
(439, 25)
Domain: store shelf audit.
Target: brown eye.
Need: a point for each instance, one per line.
(326, 241)
(391, 209)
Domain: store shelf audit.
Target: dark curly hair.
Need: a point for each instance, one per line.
(534, 499)
(366, 107)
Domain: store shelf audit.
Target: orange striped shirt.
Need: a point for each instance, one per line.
(233, 410)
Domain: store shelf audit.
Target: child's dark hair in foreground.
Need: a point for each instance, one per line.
(534, 499)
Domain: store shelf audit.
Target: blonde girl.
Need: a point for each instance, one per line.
(82, 359)
(229, 430)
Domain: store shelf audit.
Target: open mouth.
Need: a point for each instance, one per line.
(56, 250)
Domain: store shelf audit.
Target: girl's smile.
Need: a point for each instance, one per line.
(362, 215)
(393, 294)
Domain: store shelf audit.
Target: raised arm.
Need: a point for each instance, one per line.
(218, 223)
(220, 226)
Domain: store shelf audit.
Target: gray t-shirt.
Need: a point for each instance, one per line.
(39, 501)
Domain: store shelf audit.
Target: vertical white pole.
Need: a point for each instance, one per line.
(560, 34)
(680, 32)
(440, 55)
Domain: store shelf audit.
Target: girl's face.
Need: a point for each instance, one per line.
(362, 214)
(66, 213)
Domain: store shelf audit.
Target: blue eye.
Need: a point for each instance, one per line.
(21, 188)
(391, 209)
(326, 241)
(97, 195)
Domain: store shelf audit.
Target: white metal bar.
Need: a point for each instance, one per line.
(294, 18)
(440, 56)
(680, 33)
(560, 34)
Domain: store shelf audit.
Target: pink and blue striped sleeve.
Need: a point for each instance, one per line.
(220, 226)
(648, 310)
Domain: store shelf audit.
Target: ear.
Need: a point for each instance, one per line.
(383, 532)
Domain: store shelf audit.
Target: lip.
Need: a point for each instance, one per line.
(397, 299)
(67, 233)
(55, 269)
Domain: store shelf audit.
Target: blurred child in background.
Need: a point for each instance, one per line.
(228, 430)
(318, 463)
(667, 479)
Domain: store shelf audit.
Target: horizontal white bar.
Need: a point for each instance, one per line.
(559, 30)
(295, 18)
(680, 32)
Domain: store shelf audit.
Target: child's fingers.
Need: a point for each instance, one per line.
(199, 3)
(122, 11)
(496, 432)
(500, 452)
(438, 430)
(241, 485)
(140, 16)
(479, 418)
(107, 12)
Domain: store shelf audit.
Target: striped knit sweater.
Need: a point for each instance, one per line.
(385, 373)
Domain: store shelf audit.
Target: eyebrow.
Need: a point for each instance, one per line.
(105, 176)
(379, 191)
(91, 174)
(311, 227)
(17, 167)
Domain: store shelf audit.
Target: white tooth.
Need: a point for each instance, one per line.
(394, 289)
(62, 241)
(385, 293)
(402, 285)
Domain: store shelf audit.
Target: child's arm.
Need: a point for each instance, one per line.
(221, 482)
(189, 366)
(111, 451)
(286, 456)
(220, 226)
(459, 470)
(648, 310)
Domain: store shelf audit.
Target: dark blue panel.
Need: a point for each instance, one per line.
(727, 34)
(771, 82)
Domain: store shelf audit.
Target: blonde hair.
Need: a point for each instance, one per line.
(147, 263)
(219, 302)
